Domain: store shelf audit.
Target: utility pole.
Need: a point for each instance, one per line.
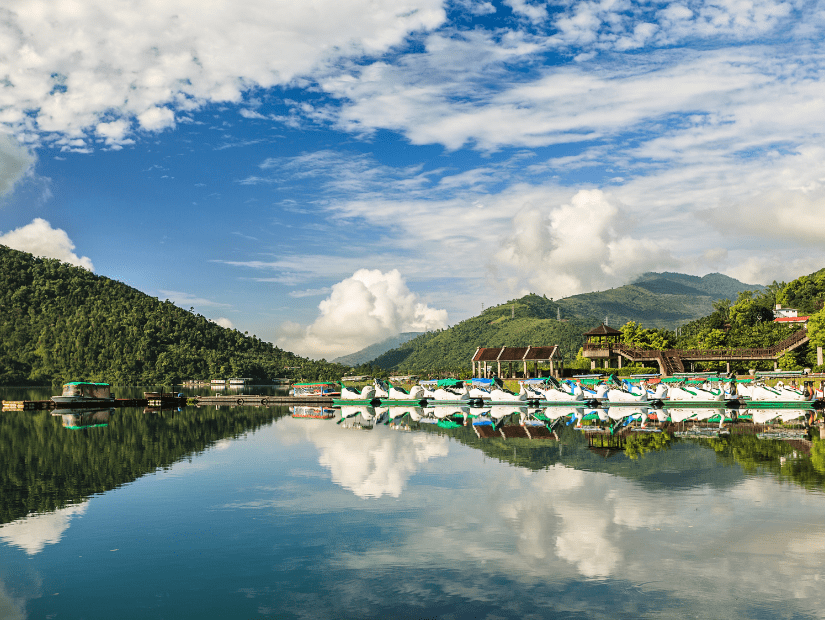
(513, 311)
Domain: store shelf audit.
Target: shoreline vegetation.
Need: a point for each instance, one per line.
(62, 323)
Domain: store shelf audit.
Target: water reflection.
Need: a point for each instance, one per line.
(32, 533)
(299, 514)
(76, 419)
(373, 464)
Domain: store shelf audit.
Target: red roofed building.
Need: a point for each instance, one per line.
(485, 358)
(792, 320)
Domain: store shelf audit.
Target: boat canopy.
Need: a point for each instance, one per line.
(588, 380)
(87, 389)
(480, 381)
(443, 382)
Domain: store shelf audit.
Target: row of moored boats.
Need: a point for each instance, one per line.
(610, 391)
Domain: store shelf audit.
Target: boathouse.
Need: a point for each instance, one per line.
(517, 361)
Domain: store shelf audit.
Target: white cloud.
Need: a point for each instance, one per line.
(576, 248)
(71, 67)
(224, 322)
(34, 532)
(15, 160)
(156, 118)
(366, 308)
(114, 132)
(764, 269)
(310, 292)
(40, 239)
(794, 215)
(187, 300)
(535, 13)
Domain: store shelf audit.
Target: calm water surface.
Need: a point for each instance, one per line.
(250, 513)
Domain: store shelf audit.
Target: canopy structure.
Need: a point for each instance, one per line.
(485, 358)
(603, 335)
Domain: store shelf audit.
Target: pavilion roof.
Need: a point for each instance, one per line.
(541, 353)
(603, 330)
(514, 354)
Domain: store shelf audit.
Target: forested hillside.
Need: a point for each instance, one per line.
(530, 320)
(746, 320)
(665, 300)
(60, 322)
(713, 311)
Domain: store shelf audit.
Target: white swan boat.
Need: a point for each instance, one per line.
(695, 394)
(366, 393)
(779, 392)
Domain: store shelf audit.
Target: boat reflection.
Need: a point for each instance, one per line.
(311, 412)
(76, 419)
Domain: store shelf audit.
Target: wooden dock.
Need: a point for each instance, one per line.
(262, 400)
(170, 402)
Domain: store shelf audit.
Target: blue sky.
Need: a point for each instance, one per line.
(328, 174)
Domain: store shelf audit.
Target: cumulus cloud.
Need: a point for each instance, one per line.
(73, 71)
(366, 308)
(576, 248)
(40, 239)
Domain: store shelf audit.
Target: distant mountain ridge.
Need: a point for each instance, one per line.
(655, 300)
(369, 353)
(658, 300)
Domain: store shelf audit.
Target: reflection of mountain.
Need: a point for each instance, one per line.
(679, 467)
(45, 467)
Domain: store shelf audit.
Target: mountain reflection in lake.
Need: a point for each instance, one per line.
(250, 512)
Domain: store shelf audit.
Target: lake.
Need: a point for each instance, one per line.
(248, 512)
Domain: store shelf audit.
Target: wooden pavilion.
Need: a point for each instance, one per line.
(487, 361)
(599, 343)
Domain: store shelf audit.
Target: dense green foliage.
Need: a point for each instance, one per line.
(61, 322)
(637, 336)
(754, 455)
(46, 467)
(747, 322)
(641, 444)
(523, 322)
(806, 294)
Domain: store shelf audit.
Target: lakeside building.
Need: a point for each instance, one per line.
(485, 360)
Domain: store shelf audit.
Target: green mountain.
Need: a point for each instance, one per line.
(657, 300)
(374, 350)
(60, 322)
(530, 320)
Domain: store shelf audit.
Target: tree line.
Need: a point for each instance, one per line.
(61, 323)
